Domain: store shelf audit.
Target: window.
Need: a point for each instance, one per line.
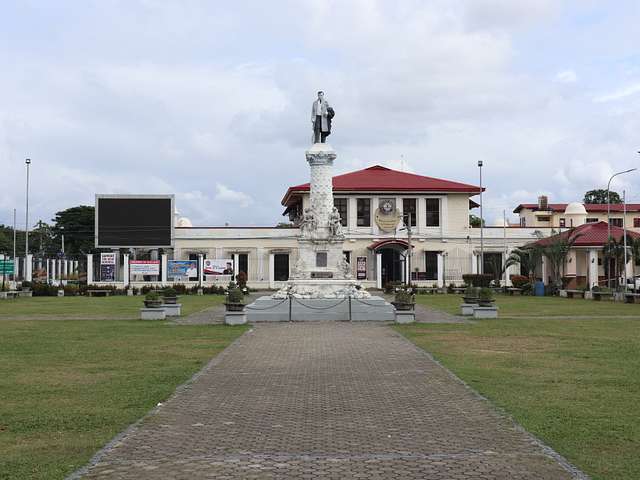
(636, 222)
(523, 222)
(544, 218)
(341, 205)
(616, 222)
(281, 267)
(364, 212)
(593, 220)
(243, 263)
(433, 212)
(563, 222)
(409, 208)
(347, 256)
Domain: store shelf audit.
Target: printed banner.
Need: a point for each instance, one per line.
(144, 267)
(107, 259)
(361, 268)
(107, 273)
(182, 268)
(218, 266)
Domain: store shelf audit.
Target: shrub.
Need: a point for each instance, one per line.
(26, 284)
(42, 289)
(450, 288)
(485, 294)
(180, 288)
(235, 295)
(241, 278)
(404, 296)
(169, 292)
(477, 279)
(152, 295)
(71, 290)
(519, 280)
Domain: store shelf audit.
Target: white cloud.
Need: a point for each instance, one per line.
(566, 76)
(226, 195)
(619, 94)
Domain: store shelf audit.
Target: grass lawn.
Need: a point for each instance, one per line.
(574, 383)
(68, 387)
(120, 307)
(518, 306)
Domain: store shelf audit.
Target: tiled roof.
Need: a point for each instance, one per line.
(381, 179)
(590, 207)
(589, 235)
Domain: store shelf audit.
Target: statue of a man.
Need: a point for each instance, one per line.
(321, 115)
(335, 225)
(308, 224)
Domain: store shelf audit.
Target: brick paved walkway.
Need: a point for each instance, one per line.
(325, 400)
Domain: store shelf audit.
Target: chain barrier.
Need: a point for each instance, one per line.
(369, 304)
(320, 308)
(269, 307)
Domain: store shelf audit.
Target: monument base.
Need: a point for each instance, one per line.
(269, 309)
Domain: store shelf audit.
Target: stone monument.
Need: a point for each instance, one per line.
(321, 286)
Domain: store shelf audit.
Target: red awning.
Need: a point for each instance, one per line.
(388, 243)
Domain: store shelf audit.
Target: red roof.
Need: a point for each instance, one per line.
(589, 235)
(590, 207)
(382, 179)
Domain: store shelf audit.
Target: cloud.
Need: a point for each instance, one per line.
(566, 76)
(619, 94)
(226, 195)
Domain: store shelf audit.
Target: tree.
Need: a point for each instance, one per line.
(600, 196)
(556, 251)
(474, 221)
(77, 224)
(527, 257)
(614, 250)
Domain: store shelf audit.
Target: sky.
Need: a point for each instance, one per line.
(211, 100)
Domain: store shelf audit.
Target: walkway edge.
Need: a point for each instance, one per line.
(547, 450)
(131, 429)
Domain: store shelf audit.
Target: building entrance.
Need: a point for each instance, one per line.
(392, 265)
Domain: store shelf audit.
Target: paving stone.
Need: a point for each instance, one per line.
(326, 400)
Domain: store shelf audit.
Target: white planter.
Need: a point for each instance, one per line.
(466, 309)
(588, 295)
(235, 318)
(172, 309)
(485, 312)
(61, 293)
(405, 316)
(563, 293)
(152, 314)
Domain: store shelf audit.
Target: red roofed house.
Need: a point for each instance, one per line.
(585, 264)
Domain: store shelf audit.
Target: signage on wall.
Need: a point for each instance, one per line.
(218, 266)
(107, 259)
(107, 273)
(182, 269)
(144, 267)
(361, 268)
(387, 216)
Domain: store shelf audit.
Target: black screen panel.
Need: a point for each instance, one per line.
(134, 222)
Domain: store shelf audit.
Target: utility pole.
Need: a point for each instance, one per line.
(14, 245)
(26, 229)
(481, 222)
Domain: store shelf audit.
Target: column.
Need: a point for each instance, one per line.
(260, 270)
(407, 273)
(352, 213)
(378, 270)
(65, 268)
(28, 271)
(272, 281)
(374, 205)
(200, 270)
(48, 272)
(125, 270)
(89, 268)
(593, 267)
(234, 257)
(440, 270)
(54, 275)
(163, 268)
(59, 270)
(509, 271)
(474, 263)
(543, 269)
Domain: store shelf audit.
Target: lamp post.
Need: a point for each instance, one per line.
(609, 219)
(624, 235)
(481, 222)
(26, 226)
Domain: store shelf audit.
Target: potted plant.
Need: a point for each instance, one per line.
(485, 297)
(234, 301)
(26, 286)
(404, 300)
(152, 299)
(470, 295)
(169, 296)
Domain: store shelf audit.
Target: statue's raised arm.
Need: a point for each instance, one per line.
(321, 115)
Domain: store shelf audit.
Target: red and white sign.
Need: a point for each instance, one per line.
(361, 268)
(144, 267)
(107, 259)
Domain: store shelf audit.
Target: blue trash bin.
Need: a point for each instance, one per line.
(538, 289)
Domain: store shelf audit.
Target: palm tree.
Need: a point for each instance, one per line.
(527, 257)
(614, 250)
(556, 250)
(634, 245)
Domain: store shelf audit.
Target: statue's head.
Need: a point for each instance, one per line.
(320, 95)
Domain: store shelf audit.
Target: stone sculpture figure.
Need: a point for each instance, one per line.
(335, 225)
(321, 115)
(308, 224)
(344, 267)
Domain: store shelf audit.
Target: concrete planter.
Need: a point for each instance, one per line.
(61, 293)
(152, 314)
(170, 300)
(172, 309)
(129, 292)
(405, 316)
(563, 293)
(466, 309)
(235, 318)
(200, 291)
(588, 295)
(485, 312)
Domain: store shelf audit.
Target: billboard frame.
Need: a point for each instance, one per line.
(171, 197)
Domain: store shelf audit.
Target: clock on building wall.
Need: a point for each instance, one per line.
(387, 215)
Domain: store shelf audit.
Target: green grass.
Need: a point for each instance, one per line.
(68, 387)
(120, 307)
(574, 383)
(527, 306)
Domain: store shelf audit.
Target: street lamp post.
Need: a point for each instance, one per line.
(609, 219)
(481, 222)
(26, 226)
